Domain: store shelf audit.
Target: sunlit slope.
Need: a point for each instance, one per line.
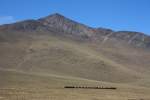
(16, 85)
(23, 80)
(48, 54)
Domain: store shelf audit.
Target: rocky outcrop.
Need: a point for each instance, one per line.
(134, 38)
(65, 25)
(27, 25)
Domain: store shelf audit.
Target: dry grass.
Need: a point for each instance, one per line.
(21, 86)
(39, 68)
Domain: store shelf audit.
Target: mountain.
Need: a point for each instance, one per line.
(55, 50)
(101, 41)
(65, 26)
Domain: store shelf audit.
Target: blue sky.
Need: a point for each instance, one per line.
(131, 15)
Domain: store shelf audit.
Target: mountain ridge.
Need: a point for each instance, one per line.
(64, 25)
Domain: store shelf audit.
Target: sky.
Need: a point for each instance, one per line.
(128, 15)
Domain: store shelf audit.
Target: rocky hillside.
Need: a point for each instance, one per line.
(64, 26)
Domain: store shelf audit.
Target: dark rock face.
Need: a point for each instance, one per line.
(63, 25)
(59, 22)
(28, 25)
(134, 38)
(104, 31)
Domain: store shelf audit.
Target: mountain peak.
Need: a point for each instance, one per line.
(53, 16)
(57, 15)
(66, 25)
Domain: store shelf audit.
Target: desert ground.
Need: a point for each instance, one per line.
(21, 86)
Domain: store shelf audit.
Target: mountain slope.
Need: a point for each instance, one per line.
(59, 46)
